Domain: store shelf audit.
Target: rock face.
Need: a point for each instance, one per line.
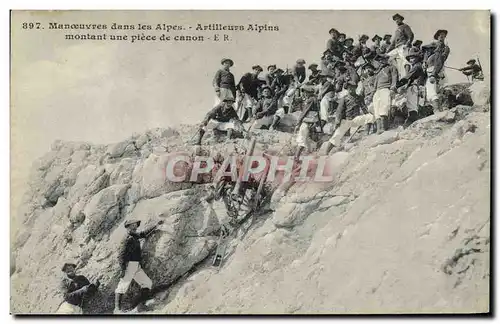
(404, 227)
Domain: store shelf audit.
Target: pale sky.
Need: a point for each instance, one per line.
(104, 91)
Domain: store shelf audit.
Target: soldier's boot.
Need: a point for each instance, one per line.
(229, 133)
(369, 128)
(118, 300)
(380, 128)
(199, 136)
(143, 298)
(276, 120)
(385, 122)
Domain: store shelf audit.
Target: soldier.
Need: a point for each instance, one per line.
(332, 44)
(248, 89)
(224, 83)
(413, 82)
(222, 117)
(361, 49)
(130, 260)
(76, 290)
(350, 113)
(402, 40)
(435, 56)
(326, 96)
(314, 77)
(299, 72)
(265, 109)
(348, 44)
(270, 75)
(385, 45)
(307, 119)
(376, 47)
(366, 89)
(417, 44)
(473, 69)
(385, 83)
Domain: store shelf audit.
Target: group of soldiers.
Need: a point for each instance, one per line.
(354, 85)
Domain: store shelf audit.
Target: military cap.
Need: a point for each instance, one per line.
(397, 16)
(132, 221)
(440, 31)
(66, 265)
(224, 60)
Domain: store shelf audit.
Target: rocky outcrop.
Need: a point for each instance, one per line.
(403, 227)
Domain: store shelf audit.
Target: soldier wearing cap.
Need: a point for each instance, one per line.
(308, 118)
(366, 89)
(417, 44)
(264, 110)
(413, 82)
(349, 44)
(435, 55)
(299, 71)
(473, 69)
(314, 77)
(376, 44)
(326, 97)
(385, 85)
(333, 42)
(270, 75)
(361, 49)
(223, 82)
(130, 260)
(222, 117)
(248, 89)
(384, 46)
(280, 87)
(351, 113)
(402, 40)
(76, 290)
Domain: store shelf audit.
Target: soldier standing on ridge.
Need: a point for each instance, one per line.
(385, 85)
(224, 83)
(332, 44)
(402, 41)
(76, 289)
(415, 80)
(130, 260)
(435, 56)
(249, 88)
(270, 75)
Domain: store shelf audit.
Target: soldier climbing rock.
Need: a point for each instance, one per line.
(130, 260)
(76, 290)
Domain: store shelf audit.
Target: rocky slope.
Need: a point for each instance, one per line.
(404, 227)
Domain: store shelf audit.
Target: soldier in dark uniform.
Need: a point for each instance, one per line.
(473, 69)
(76, 290)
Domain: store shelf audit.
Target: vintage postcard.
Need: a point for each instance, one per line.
(250, 162)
